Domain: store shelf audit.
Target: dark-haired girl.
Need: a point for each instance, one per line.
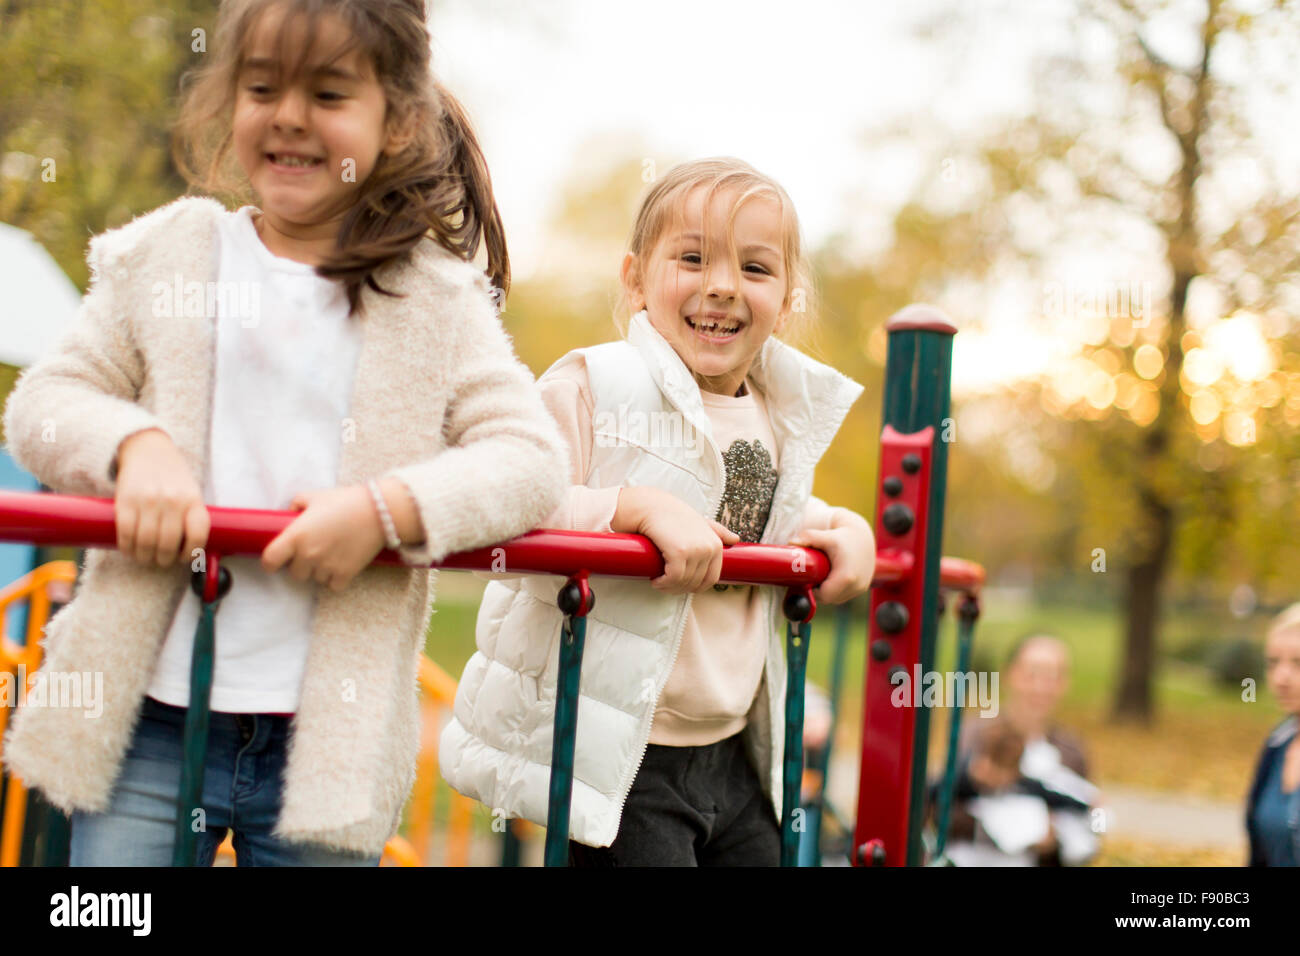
(332, 350)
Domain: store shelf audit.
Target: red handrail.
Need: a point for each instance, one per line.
(81, 522)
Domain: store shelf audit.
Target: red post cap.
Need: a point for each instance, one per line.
(920, 317)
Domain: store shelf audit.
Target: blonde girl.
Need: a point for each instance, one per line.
(700, 429)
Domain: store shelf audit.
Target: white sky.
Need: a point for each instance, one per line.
(794, 88)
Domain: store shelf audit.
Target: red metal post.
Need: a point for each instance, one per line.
(894, 651)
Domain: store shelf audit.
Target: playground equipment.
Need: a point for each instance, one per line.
(34, 589)
(902, 623)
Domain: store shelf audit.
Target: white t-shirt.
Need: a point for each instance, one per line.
(286, 356)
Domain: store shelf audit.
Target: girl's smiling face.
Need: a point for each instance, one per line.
(714, 312)
(307, 143)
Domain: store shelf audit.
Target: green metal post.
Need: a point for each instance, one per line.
(796, 661)
(917, 394)
(575, 600)
(211, 584)
(965, 638)
(511, 845)
(197, 715)
(843, 617)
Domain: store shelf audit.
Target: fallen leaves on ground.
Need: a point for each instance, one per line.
(1117, 852)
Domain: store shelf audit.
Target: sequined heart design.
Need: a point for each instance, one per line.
(751, 484)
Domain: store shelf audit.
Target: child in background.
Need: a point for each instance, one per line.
(1000, 817)
(701, 429)
(985, 781)
(368, 385)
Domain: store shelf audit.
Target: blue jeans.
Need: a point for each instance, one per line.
(242, 784)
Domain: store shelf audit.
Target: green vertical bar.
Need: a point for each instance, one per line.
(197, 715)
(965, 637)
(917, 394)
(511, 848)
(843, 614)
(796, 661)
(565, 739)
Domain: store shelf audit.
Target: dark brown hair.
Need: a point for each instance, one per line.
(1003, 745)
(439, 183)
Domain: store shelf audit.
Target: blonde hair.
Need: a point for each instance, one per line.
(1288, 620)
(663, 205)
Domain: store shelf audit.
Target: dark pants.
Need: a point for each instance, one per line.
(692, 806)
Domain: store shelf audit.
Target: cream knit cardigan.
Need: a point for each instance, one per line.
(440, 401)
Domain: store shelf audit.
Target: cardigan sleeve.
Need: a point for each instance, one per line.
(68, 413)
(566, 392)
(502, 467)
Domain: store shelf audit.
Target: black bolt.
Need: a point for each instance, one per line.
(897, 518)
(894, 672)
(893, 486)
(570, 598)
(872, 853)
(911, 463)
(892, 616)
(880, 649)
(796, 606)
(199, 578)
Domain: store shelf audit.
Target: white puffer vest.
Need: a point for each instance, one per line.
(497, 746)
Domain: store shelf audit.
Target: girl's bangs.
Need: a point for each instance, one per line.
(290, 58)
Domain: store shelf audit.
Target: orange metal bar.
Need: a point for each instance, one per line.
(398, 852)
(458, 824)
(421, 809)
(25, 659)
(439, 694)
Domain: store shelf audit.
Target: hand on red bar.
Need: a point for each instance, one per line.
(691, 545)
(158, 506)
(335, 537)
(851, 548)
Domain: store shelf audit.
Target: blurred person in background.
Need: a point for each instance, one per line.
(1053, 762)
(1273, 809)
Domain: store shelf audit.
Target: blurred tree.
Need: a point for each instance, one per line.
(89, 93)
(1145, 142)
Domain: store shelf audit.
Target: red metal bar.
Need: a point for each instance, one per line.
(958, 574)
(81, 522)
(76, 521)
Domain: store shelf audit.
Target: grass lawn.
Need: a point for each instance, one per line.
(1204, 740)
